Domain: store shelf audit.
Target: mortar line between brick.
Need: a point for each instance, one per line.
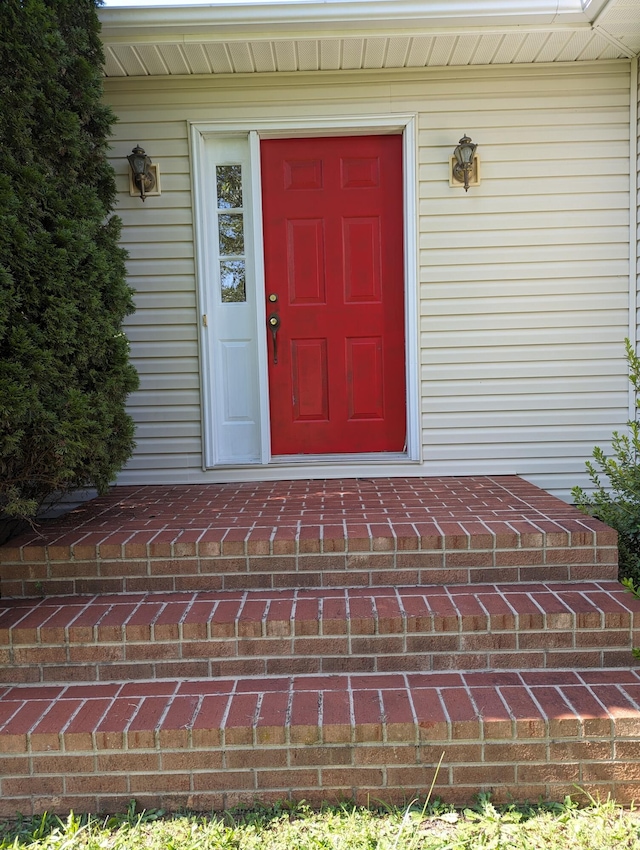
(352, 712)
(624, 693)
(518, 498)
(94, 732)
(288, 713)
(225, 714)
(456, 609)
(404, 616)
(517, 534)
(92, 601)
(10, 718)
(446, 714)
(293, 631)
(414, 715)
(558, 597)
(527, 688)
(265, 617)
(479, 597)
(236, 624)
(256, 717)
(61, 736)
(479, 716)
(188, 608)
(320, 716)
(516, 616)
(384, 720)
(502, 698)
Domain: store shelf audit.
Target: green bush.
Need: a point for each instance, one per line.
(616, 481)
(64, 360)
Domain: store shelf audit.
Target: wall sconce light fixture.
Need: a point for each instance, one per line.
(144, 175)
(465, 166)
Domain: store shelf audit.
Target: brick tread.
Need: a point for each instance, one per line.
(412, 628)
(444, 706)
(214, 744)
(206, 744)
(311, 533)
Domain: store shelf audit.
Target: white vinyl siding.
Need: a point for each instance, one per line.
(523, 281)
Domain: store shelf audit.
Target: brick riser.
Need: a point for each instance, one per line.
(452, 564)
(217, 743)
(354, 630)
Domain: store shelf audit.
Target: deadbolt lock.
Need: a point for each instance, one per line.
(273, 298)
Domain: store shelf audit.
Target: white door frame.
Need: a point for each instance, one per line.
(300, 128)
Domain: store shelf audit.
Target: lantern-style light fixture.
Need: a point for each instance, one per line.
(144, 174)
(465, 162)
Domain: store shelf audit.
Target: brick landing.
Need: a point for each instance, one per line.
(296, 534)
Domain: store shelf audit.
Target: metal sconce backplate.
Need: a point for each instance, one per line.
(134, 190)
(474, 177)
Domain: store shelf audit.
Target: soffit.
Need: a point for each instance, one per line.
(337, 35)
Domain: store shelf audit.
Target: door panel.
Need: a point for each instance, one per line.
(332, 211)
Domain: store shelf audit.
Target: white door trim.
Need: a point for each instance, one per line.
(300, 127)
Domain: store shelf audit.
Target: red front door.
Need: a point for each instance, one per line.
(333, 235)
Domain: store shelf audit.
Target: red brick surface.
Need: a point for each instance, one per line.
(205, 647)
(387, 531)
(346, 629)
(73, 744)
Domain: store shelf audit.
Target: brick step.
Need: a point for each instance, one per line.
(292, 534)
(586, 624)
(212, 744)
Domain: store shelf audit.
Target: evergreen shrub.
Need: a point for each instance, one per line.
(64, 360)
(615, 498)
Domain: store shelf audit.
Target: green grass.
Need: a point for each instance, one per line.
(600, 826)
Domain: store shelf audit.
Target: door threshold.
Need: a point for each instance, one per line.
(346, 459)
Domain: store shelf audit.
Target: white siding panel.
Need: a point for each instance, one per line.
(523, 281)
(181, 413)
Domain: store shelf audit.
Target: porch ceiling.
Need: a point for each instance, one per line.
(304, 35)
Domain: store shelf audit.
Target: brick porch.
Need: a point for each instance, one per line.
(205, 646)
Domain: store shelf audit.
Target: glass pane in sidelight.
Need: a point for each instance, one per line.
(229, 186)
(231, 233)
(232, 281)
